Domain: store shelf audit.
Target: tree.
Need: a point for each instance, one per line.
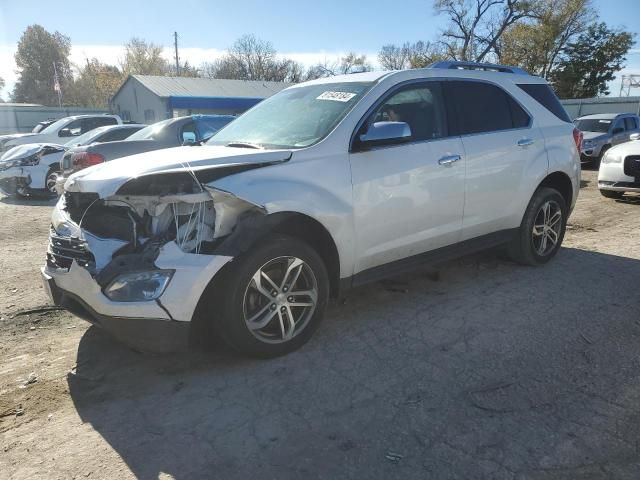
(251, 58)
(476, 25)
(186, 70)
(38, 51)
(144, 58)
(1, 87)
(536, 46)
(409, 55)
(591, 61)
(95, 84)
(349, 63)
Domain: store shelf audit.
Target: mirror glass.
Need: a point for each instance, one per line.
(188, 137)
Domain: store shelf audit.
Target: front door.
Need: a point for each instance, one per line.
(408, 198)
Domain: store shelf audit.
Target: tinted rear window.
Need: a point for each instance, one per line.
(543, 94)
(482, 107)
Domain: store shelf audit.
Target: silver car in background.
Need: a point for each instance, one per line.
(603, 131)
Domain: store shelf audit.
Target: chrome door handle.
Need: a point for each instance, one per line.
(525, 142)
(449, 159)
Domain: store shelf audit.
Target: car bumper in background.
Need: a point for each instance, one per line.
(612, 176)
(13, 179)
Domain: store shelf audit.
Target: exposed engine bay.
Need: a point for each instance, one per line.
(125, 232)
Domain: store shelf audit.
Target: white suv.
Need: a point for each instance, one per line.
(324, 186)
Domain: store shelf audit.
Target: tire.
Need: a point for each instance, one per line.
(525, 248)
(52, 175)
(235, 300)
(603, 150)
(611, 194)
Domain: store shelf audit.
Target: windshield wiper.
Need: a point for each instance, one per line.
(243, 145)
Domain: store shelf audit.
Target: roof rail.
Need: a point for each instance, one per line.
(488, 67)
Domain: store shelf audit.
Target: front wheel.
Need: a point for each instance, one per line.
(542, 229)
(271, 299)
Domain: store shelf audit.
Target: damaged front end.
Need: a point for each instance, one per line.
(143, 254)
(21, 168)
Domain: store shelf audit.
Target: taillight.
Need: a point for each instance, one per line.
(82, 160)
(577, 137)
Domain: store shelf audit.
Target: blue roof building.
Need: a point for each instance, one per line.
(150, 98)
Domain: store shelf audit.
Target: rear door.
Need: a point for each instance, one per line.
(501, 148)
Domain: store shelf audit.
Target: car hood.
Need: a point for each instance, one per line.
(594, 136)
(24, 151)
(624, 149)
(105, 179)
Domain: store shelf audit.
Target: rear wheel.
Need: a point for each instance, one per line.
(50, 181)
(542, 229)
(611, 194)
(271, 299)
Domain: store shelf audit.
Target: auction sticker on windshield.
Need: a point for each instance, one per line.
(336, 96)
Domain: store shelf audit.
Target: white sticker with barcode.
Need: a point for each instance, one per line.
(336, 96)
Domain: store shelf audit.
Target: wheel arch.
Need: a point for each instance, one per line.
(561, 182)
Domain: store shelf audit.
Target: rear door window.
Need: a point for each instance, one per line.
(630, 123)
(543, 94)
(481, 108)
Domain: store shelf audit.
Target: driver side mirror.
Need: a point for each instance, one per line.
(385, 133)
(188, 138)
(65, 132)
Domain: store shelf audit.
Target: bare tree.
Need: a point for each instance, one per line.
(144, 58)
(250, 58)
(409, 55)
(349, 63)
(477, 25)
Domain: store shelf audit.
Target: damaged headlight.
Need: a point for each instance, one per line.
(138, 286)
(20, 162)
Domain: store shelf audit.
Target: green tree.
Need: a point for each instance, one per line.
(537, 45)
(591, 62)
(144, 58)
(95, 84)
(38, 51)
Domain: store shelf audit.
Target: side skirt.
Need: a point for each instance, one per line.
(432, 257)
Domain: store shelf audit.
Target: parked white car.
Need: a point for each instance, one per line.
(60, 131)
(33, 169)
(620, 169)
(326, 185)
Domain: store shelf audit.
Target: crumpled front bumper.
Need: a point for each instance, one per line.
(12, 179)
(158, 325)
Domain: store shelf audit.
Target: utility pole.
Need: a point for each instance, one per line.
(175, 42)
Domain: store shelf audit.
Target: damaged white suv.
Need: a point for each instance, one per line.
(324, 186)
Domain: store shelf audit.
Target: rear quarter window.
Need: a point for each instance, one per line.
(543, 94)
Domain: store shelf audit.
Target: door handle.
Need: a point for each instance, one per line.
(449, 160)
(525, 142)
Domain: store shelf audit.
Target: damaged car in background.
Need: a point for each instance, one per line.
(324, 186)
(33, 169)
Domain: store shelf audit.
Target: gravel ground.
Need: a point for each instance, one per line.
(481, 369)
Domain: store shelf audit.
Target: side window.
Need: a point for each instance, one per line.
(630, 123)
(422, 107)
(482, 107)
(74, 127)
(115, 135)
(207, 128)
(188, 133)
(88, 124)
(618, 126)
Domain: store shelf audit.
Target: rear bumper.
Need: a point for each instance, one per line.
(147, 334)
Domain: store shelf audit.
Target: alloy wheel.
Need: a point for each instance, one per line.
(280, 299)
(547, 227)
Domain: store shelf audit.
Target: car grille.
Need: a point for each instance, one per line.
(632, 166)
(63, 251)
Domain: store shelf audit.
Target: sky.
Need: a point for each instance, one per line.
(305, 31)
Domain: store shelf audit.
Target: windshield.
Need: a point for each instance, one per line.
(593, 125)
(150, 132)
(55, 126)
(294, 118)
(86, 137)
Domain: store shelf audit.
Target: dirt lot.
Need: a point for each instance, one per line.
(484, 370)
